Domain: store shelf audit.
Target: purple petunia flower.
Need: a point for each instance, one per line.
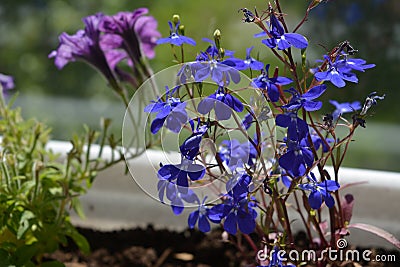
(7, 82)
(172, 112)
(129, 34)
(320, 192)
(306, 100)
(264, 82)
(341, 108)
(278, 37)
(222, 103)
(83, 45)
(175, 38)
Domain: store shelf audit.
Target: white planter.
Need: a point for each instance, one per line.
(116, 202)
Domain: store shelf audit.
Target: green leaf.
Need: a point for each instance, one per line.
(79, 240)
(77, 206)
(24, 223)
(26, 186)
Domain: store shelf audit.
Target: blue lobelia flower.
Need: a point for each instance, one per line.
(239, 183)
(200, 216)
(175, 38)
(317, 141)
(346, 107)
(297, 158)
(297, 128)
(221, 72)
(286, 180)
(251, 63)
(212, 52)
(348, 64)
(222, 103)
(172, 112)
(278, 37)
(237, 211)
(320, 192)
(247, 121)
(306, 100)
(210, 63)
(191, 146)
(236, 154)
(270, 83)
(179, 173)
(340, 70)
(176, 195)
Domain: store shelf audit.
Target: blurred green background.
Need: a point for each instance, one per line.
(77, 94)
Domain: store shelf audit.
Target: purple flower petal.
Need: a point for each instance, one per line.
(315, 200)
(296, 40)
(230, 224)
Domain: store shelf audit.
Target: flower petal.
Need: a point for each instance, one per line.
(296, 40)
(315, 200)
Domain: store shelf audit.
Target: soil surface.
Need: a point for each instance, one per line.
(164, 248)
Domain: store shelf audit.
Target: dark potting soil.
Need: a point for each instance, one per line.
(164, 248)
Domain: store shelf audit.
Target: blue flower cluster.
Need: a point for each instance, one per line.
(236, 160)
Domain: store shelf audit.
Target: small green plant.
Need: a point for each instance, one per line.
(38, 188)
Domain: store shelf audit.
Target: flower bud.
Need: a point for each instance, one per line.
(181, 29)
(105, 122)
(175, 19)
(217, 38)
(217, 34)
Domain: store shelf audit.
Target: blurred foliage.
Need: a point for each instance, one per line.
(39, 188)
(372, 27)
(29, 31)
(37, 191)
